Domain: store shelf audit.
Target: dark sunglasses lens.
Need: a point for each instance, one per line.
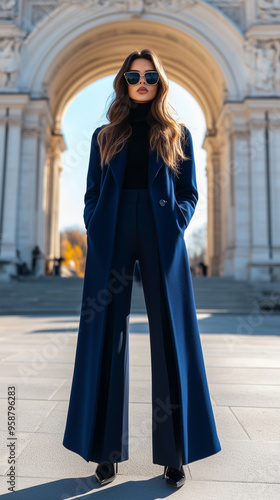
(151, 78)
(132, 78)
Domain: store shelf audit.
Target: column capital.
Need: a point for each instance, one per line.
(11, 120)
(13, 101)
(56, 144)
(31, 130)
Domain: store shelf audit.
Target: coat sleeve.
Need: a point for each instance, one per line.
(93, 179)
(186, 188)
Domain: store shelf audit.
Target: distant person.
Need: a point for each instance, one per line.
(192, 269)
(36, 252)
(22, 268)
(203, 268)
(57, 265)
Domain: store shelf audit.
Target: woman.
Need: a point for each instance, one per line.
(141, 195)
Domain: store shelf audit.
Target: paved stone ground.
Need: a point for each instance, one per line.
(243, 370)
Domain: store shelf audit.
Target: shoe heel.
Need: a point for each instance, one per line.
(117, 467)
(164, 472)
(175, 477)
(101, 473)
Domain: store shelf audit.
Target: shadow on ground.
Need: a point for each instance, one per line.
(87, 488)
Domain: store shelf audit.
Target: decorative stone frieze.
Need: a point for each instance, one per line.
(134, 5)
(262, 58)
(39, 12)
(268, 10)
(7, 9)
(234, 10)
(226, 53)
(9, 62)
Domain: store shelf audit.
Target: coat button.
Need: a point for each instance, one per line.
(162, 202)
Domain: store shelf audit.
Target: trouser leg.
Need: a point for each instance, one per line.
(136, 239)
(110, 439)
(166, 423)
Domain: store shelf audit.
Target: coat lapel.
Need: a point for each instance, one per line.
(118, 164)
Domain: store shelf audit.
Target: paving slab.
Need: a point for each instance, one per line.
(37, 355)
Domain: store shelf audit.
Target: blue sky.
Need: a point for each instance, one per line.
(84, 114)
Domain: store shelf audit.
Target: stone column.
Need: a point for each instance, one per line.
(214, 194)
(259, 251)
(252, 244)
(52, 235)
(40, 215)
(265, 181)
(30, 210)
(3, 165)
(274, 156)
(239, 241)
(12, 110)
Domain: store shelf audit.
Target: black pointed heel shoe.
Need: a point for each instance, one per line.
(175, 477)
(105, 472)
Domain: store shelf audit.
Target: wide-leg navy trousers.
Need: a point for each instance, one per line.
(136, 240)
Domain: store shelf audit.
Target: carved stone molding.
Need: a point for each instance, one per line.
(241, 133)
(262, 58)
(169, 4)
(39, 12)
(134, 5)
(57, 145)
(34, 11)
(31, 131)
(41, 9)
(11, 120)
(234, 10)
(6, 5)
(268, 10)
(7, 8)
(9, 61)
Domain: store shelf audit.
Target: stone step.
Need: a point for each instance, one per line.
(53, 294)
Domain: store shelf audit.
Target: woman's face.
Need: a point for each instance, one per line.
(142, 65)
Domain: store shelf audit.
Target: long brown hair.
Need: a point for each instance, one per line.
(166, 134)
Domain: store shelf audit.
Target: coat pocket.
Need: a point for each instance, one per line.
(181, 217)
(89, 220)
(91, 217)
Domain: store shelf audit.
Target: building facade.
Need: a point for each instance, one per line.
(225, 53)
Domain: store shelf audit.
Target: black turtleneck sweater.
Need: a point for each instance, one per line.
(136, 170)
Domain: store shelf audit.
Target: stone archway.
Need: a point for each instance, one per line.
(223, 54)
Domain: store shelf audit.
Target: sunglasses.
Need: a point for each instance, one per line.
(133, 77)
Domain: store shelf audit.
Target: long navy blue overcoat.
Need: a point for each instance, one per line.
(100, 216)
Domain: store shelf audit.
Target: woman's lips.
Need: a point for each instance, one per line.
(142, 90)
